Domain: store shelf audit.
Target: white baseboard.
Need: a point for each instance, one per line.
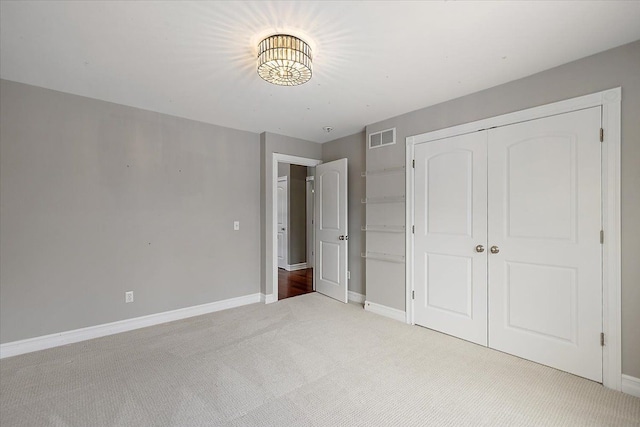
(267, 299)
(68, 337)
(631, 385)
(356, 297)
(295, 267)
(383, 310)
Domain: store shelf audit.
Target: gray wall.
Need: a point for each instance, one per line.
(98, 198)
(283, 169)
(271, 143)
(297, 214)
(613, 68)
(353, 149)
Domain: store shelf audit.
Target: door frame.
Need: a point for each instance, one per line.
(610, 101)
(273, 264)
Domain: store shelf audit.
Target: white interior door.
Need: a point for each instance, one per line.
(331, 229)
(545, 283)
(283, 223)
(450, 268)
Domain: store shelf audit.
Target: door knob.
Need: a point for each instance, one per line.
(495, 249)
(343, 237)
(479, 248)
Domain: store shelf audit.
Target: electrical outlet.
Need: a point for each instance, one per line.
(236, 225)
(128, 296)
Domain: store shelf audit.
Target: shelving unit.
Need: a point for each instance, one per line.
(386, 199)
(384, 228)
(378, 230)
(380, 256)
(384, 171)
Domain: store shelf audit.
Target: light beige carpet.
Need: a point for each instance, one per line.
(303, 361)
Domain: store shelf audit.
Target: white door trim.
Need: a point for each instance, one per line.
(610, 100)
(273, 262)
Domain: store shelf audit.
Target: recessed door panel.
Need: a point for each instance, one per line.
(450, 193)
(548, 308)
(450, 283)
(541, 180)
(329, 211)
(330, 262)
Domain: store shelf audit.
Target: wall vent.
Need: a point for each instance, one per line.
(382, 138)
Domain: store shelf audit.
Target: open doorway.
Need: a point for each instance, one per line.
(330, 231)
(295, 230)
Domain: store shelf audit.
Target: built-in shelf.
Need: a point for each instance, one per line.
(384, 228)
(396, 169)
(389, 199)
(379, 256)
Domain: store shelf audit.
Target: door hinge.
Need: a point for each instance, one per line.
(413, 229)
(413, 294)
(414, 163)
(601, 135)
(601, 236)
(602, 339)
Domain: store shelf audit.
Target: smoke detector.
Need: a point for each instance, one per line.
(327, 129)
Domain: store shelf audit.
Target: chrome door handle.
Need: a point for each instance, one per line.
(495, 249)
(480, 249)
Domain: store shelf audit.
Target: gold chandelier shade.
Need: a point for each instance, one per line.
(284, 60)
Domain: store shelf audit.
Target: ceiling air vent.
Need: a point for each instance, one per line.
(382, 138)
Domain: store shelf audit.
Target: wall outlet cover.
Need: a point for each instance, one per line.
(128, 296)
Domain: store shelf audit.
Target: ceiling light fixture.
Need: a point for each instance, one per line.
(284, 60)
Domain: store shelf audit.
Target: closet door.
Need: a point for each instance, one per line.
(545, 278)
(450, 268)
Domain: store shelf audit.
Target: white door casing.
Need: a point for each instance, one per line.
(544, 255)
(610, 103)
(545, 283)
(450, 236)
(331, 233)
(271, 285)
(283, 222)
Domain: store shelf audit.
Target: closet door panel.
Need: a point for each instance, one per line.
(544, 210)
(451, 220)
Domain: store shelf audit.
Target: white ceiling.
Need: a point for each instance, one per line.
(372, 60)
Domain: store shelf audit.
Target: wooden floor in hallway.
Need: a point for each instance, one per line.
(294, 283)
